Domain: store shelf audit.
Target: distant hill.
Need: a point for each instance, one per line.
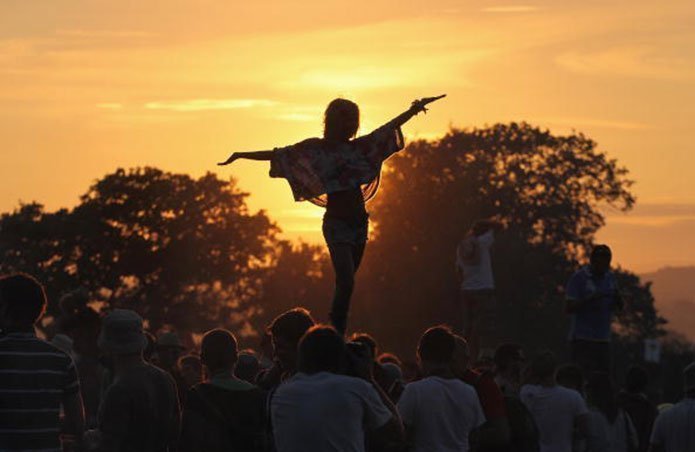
(674, 291)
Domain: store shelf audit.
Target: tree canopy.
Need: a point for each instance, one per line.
(545, 189)
(188, 252)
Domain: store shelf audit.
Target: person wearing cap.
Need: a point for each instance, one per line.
(140, 410)
(592, 297)
(169, 349)
(674, 428)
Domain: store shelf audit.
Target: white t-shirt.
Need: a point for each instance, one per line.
(325, 412)
(619, 436)
(674, 429)
(554, 409)
(478, 276)
(440, 413)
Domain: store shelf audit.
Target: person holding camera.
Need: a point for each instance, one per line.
(592, 297)
(322, 408)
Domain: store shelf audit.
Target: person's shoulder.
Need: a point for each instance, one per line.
(157, 373)
(455, 384)
(311, 142)
(307, 143)
(582, 272)
(29, 344)
(529, 390)
(346, 380)
(567, 392)
(685, 406)
(570, 394)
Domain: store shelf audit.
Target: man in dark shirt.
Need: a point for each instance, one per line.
(140, 410)
(223, 413)
(36, 378)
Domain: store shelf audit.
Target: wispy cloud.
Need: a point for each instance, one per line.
(208, 104)
(110, 106)
(510, 9)
(628, 61)
(80, 33)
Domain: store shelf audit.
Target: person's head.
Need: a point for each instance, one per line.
(509, 359)
(286, 330)
(436, 348)
(600, 259)
(601, 394)
(385, 358)
(219, 351)
(122, 333)
(265, 347)
(543, 367)
(480, 227)
(461, 357)
(570, 376)
(368, 341)
(83, 327)
(689, 380)
(191, 369)
(636, 379)
(22, 301)
(169, 349)
(247, 367)
(321, 349)
(341, 120)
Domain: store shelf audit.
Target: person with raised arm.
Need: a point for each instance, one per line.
(341, 173)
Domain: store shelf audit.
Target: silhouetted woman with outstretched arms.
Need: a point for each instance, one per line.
(339, 172)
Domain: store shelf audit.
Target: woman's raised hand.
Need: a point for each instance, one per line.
(419, 104)
(231, 158)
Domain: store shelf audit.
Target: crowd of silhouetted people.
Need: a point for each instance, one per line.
(103, 383)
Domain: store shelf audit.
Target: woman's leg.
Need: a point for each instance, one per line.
(357, 253)
(342, 256)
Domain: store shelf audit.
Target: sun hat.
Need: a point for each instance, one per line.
(122, 332)
(170, 339)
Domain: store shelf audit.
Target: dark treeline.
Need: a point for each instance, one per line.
(188, 254)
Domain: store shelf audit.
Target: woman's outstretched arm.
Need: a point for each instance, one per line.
(253, 155)
(416, 107)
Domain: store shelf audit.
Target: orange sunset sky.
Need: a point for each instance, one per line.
(87, 86)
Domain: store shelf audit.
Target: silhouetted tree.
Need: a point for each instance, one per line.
(178, 250)
(545, 189)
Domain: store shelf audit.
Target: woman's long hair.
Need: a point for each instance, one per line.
(601, 394)
(341, 120)
(340, 123)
